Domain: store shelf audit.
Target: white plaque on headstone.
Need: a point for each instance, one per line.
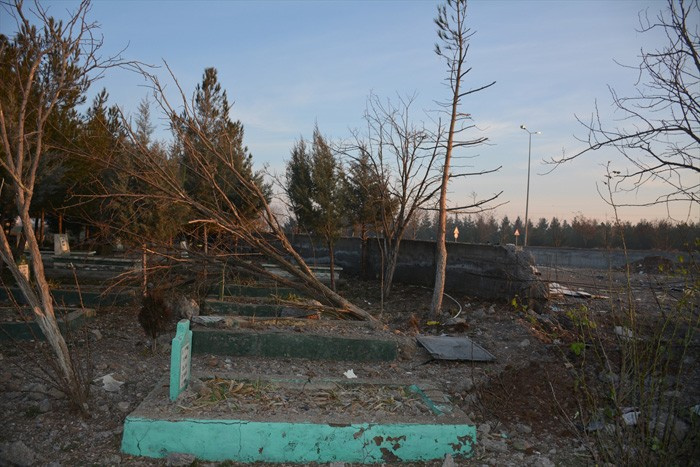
(185, 365)
(183, 249)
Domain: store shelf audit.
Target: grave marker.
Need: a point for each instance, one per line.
(60, 244)
(180, 359)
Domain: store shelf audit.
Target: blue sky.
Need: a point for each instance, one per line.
(289, 64)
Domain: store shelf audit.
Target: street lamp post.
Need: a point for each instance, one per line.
(527, 195)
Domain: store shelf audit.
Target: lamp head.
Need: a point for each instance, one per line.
(522, 127)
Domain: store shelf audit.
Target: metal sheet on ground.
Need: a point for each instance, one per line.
(455, 348)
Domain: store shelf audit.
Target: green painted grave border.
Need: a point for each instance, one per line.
(28, 330)
(72, 297)
(253, 441)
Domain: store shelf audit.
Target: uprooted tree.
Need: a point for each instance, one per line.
(46, 69)
(658, 137)
(225, 193)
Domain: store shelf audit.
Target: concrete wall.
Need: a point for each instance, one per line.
(486, 271)
(594, 258)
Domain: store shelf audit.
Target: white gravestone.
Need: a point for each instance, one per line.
(60, 244)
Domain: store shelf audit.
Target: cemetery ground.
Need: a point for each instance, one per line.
(524, 404)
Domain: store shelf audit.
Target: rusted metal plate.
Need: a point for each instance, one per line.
(455, 348)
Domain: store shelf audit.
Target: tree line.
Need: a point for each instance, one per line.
(581, 232)
(331, 196)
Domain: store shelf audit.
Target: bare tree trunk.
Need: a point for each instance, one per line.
(454, 35)
(364, 252)
(54, 64)
(440, 263)
(42, 232)
(39, 299)
(332, 257)
(144, 270)
(392, 258)
(440, 247)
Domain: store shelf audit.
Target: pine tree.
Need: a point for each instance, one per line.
(143, 218)
(316, 188)
(220, 141)
(365, 201)
(298, 186)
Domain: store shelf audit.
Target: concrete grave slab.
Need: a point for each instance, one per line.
(246, 433)
(455, 348)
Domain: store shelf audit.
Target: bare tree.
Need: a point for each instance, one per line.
(660, 139)
(454, 38)
(403, 159)
(225, 183)
(45, 69)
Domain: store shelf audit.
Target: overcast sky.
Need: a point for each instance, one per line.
(289, 64)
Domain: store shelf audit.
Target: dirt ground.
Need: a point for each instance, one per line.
(523, 404)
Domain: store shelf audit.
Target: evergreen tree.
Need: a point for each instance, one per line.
(365, 194)
(316, 187)
(60, 129)
(556, 232)
(328, 194)
(538, 234)
(219, 140)
(368, 202)
(144, 218)
(326, 189)
(102, 140)
(298, 185)
(143, 127)
(505, 231)
(426, 230)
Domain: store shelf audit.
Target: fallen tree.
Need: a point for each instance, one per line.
(220, 208)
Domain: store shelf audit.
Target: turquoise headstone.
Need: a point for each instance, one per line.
(180, 359)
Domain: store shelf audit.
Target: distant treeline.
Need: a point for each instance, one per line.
(581, 232)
